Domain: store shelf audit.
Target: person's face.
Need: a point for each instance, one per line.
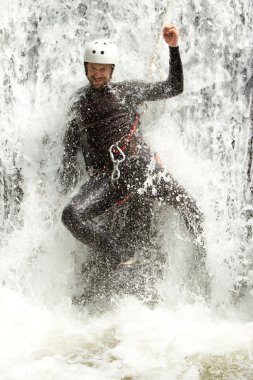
(98, 74)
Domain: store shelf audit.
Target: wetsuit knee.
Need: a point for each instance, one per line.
(68, 215)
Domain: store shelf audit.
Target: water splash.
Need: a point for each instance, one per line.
(206, 130)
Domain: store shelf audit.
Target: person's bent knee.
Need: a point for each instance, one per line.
(68, 215)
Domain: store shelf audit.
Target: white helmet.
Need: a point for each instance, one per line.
(100, 51)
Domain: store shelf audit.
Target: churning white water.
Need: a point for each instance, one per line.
(202, 137)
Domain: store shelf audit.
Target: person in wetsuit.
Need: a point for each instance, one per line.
(104, 124)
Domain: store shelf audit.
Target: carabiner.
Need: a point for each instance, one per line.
(116, 161)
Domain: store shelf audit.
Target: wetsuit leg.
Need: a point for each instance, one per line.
(171, 192)
(137, 224)
(93, 199)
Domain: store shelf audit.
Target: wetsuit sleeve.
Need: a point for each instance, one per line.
(69, 167)
(165, 89)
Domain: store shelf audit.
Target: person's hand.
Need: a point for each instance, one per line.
(170, 35)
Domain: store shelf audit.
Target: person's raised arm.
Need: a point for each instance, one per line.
(173, 85)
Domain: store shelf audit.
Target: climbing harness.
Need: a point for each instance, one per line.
(117, 154)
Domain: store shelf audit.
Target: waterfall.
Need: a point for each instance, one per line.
(204, 137)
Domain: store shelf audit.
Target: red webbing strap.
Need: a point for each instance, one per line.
(131, 133)
(134, 127)
(124, 200)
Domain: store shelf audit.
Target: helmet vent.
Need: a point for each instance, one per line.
(93, 51)
(102, 52)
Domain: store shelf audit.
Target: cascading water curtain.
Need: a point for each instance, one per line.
(215, 123)
(204, 137)
(41, 60)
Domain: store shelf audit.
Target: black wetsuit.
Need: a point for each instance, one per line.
(98, 119)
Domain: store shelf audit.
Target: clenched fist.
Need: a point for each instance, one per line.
(170, 35)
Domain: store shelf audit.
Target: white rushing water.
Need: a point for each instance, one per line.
(202, 136)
